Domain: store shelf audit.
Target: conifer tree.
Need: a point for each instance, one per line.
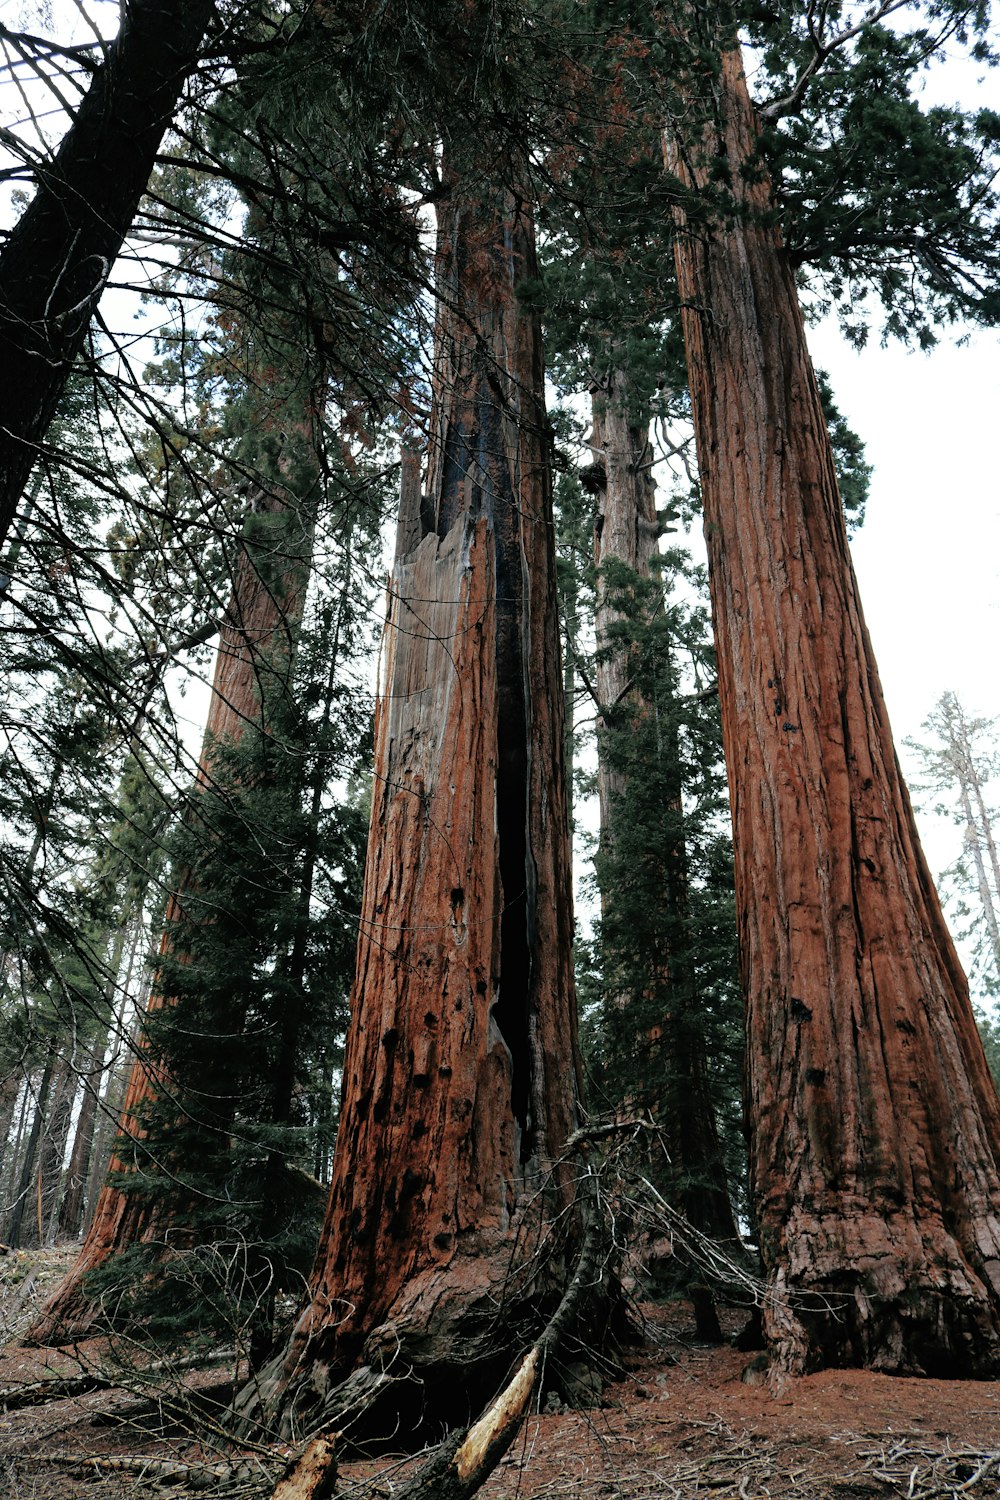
(460, 1071)
(874, 1120)
(958, 765)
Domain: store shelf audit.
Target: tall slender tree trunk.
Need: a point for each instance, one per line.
(78, 1171)
(875, 1124)
(52, 1155)
(12, 1158)
(253, 664)
(24, 1204)
(10, 1089)
(678, 1086)
(460, 1074)
(122, 1041)
(57, 258)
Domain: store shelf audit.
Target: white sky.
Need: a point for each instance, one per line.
(928, 554)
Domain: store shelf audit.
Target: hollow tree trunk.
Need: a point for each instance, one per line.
(253, 664)
(875, 1124)
(674, 1080)
(461, 1067)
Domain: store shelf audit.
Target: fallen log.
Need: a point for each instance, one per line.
(60, 1387)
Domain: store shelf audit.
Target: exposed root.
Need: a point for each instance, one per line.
(458, 1467)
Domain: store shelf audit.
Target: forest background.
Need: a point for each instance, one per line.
(86, 828)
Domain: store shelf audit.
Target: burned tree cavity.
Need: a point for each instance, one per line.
(437, 1255)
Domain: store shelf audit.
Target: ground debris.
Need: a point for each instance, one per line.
(699, 1434)
(920, 1472)
(232, 1479)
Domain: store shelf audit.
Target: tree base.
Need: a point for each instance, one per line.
(447, 1344)
(883, 1297)
(67, 1317)
(430, 1366)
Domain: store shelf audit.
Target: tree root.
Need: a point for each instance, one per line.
(460, 1465)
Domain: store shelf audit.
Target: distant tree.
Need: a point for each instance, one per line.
(957, 766)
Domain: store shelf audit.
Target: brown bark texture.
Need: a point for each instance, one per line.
(875, 1124)
(460, 1072)
(626, 531)
(252, 665)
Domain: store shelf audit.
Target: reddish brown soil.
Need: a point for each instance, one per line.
(681, 1423)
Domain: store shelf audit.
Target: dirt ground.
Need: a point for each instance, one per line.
(682, 1422)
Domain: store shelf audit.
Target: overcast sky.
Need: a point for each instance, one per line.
(928, 554)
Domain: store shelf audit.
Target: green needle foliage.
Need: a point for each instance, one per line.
(256, 971)
(667, 937)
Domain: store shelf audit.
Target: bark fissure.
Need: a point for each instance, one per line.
(461, 1055)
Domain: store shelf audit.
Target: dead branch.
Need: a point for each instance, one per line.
(460, 1465)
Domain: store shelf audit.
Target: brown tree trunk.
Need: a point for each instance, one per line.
(57, 258)
(123, 1039)
(24, 1204)
(461, 1067)
(252, 666)
(71, 1207)
(50, 1164)
(875, 1124)
(12, 1159)
(676, 1082)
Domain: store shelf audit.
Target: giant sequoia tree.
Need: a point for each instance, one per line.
(875, 1124)
(253, 674)
(460, 1073)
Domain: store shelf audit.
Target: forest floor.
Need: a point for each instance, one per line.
(680, 1421)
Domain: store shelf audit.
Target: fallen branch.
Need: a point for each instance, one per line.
(460, 1465)
(313, 1476)
(58, 1388)
(233, 1477)
(38, 1392)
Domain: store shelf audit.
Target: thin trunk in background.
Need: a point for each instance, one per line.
(673, 1071)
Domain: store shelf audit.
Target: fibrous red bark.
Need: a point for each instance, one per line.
(875, 1124)
(253, 663)
(460, 1072)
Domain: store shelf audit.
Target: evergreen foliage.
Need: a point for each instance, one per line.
(666, 941)
(255, 970)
